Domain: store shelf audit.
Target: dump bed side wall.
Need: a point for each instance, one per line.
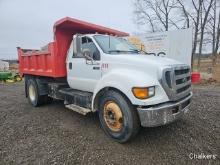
(42, 63)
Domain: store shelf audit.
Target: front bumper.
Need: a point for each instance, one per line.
(163, 113)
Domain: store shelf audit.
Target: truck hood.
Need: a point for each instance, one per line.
(142, 59)
(148, 64)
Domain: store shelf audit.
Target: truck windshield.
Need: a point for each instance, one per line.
(115, 45)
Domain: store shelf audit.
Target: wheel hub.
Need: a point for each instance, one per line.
(32, 93)
(113, 116)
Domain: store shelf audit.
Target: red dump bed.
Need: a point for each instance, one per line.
(50, 61)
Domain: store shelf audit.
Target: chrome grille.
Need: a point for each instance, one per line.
(176, 81)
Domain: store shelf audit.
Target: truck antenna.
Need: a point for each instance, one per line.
(109, 41)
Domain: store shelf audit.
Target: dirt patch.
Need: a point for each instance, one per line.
(208, 82)
(52, 134)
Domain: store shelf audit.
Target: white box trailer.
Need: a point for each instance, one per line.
(172, 44)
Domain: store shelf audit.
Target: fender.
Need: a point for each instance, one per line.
(124, 80)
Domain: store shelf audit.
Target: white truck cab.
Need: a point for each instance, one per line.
(158, 88)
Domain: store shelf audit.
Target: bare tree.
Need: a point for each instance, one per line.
(213, 29)
(156, 14)
(206, 7)
(217, 43)
(213, 25)
(192, 15)
(182, 8)
(197, 8)
(142, 16)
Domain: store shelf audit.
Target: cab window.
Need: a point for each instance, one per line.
(87, 43)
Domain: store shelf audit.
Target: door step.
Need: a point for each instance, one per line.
(76, 100)
(78, 109)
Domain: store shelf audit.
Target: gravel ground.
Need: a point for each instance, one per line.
(52, 134)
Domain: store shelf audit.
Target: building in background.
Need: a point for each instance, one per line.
(4, 65)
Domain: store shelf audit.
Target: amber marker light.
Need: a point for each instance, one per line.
(143, 92)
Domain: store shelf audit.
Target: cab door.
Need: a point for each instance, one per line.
(83, 72)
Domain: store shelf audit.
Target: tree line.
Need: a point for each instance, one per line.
(202, 15)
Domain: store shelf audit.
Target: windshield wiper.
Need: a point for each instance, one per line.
(135, 50)
(118, 51)
(131, 50)
(138, 51)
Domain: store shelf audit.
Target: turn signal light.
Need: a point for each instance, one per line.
(143, 92)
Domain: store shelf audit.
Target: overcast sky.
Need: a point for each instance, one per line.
(28, 23)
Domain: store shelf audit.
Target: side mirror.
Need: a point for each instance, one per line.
(96, 55)
(87, 54)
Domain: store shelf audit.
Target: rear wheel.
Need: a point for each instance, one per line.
(118, 117)
(33, 94)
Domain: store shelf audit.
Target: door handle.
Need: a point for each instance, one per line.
(96, 68)
(70, 65)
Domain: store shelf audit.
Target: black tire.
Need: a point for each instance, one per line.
(130, 120)
(33, 94)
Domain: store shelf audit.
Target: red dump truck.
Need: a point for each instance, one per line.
(93, 68)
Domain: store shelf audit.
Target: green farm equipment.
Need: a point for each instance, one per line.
(8, 76)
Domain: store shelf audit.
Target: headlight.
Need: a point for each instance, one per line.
(143, 92)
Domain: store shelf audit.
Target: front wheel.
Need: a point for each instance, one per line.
(118, 117)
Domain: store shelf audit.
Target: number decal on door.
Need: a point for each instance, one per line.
(104, 66)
